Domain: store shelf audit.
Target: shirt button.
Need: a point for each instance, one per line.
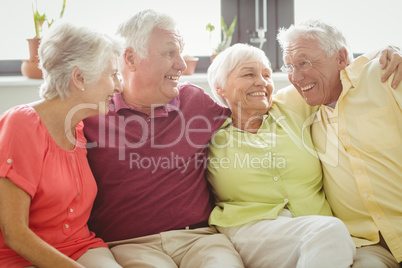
(286, 200)
(148, 120)
(71, 210)
(9, 161)
(378, 216)
(66, 226)
(275, 178)
(365, 195)
(359, 172)
(344, 136)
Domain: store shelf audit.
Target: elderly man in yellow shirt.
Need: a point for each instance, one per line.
(357, 135)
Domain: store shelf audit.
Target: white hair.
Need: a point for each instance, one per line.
(226, 61)
(67, 46)
(330, 39)
(137, 30)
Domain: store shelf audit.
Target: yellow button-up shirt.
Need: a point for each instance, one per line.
(254, 176)
(359, 143)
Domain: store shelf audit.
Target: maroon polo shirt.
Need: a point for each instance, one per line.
(150, 168)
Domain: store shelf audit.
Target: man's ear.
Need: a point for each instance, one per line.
(130, 59)
(77, 79)
(342, 59)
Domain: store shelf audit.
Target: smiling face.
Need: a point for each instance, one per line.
(321, 84)
(101, 92)
(154, 80)
(248, 89)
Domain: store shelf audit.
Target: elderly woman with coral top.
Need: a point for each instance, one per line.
(268, 186)
(46, 185)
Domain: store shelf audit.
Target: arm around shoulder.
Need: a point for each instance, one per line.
(390, 59)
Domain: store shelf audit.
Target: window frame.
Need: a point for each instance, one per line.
(10, 67)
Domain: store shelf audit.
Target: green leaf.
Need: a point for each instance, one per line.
(62, 10)
(210, 27)
(40, 19)
(232, 26)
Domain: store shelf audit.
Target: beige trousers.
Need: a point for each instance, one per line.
(96, 258)
(374, 256)
(202, 247)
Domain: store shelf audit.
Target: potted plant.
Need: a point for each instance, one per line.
(227, 34)
(29, 68)
(191, 63)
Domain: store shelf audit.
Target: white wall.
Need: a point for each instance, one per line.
(18, 90)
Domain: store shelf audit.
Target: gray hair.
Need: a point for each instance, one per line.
(137, 29)
(226, 61)
(330, 39)
(67, 46)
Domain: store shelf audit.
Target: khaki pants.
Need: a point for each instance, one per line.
(374, 256)
(202, 247)
(96, 258)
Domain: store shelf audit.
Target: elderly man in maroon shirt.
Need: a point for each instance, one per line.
(148, 157)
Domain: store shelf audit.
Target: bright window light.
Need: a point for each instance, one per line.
(105, 15)
(367, 24)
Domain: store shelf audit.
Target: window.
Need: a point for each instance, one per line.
(368, 25)
(279, 14)
(104, 15)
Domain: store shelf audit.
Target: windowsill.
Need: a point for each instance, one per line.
(15, 90)
(18, 81)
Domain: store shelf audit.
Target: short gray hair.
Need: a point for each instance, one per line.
(67, 46)
(226, 61)
(330, 39)
(137, 30)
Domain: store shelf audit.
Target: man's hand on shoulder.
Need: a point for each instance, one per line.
(391, 61)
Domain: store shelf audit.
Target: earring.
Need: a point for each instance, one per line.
(83, 89)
